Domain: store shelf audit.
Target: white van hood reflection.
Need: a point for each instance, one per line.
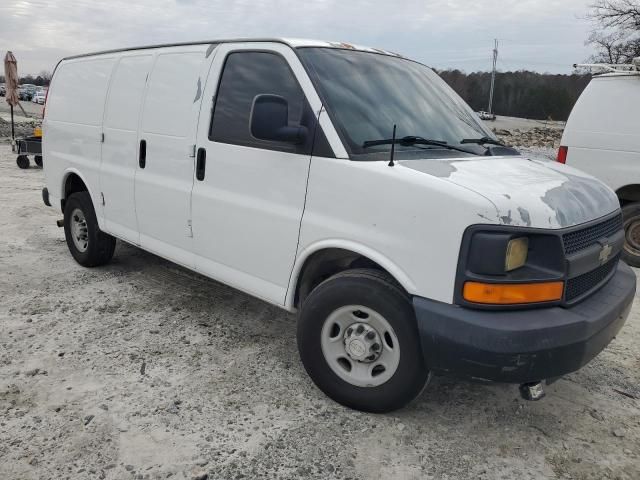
(526, 192)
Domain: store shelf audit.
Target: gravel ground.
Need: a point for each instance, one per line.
(31, 109)
(141, 369)
(512, 123)
(542, 153)
(23, 126)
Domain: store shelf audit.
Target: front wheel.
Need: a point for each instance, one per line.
(631, 218)
(89, 245)
(358, 341)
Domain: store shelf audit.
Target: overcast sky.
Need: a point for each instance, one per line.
(541, 35)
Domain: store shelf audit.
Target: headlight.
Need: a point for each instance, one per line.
(502, 266)
(516, 256)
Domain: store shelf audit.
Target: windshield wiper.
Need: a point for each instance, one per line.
(411, 140)
(482, 141)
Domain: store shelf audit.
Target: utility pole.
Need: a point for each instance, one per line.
(493, 75)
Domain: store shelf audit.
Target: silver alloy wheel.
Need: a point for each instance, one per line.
(360, 346)
(79, 232)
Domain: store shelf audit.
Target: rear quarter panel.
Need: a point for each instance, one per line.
(615, 168)
(603, 130)
(72, 127)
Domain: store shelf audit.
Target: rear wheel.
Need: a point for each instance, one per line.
(358, 340)
(89, 245)
(631, 251)
(38, 160)
(22, 161)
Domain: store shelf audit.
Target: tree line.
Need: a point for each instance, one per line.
(41, 80)
(525, 94)
(615, 39)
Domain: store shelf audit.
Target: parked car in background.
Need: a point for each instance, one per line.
(39, 97)
(27, 91)
(3, 90)
(486, 115)
(602, 138)
(352, 186)
(24, 94)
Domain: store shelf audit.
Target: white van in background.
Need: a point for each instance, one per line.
(602, 138)
(350, 185)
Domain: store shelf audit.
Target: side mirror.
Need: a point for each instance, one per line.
(270, 121)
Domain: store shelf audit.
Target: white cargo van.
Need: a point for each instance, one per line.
(602, 138)
(348, 184)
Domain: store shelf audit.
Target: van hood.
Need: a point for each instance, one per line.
(525, 191)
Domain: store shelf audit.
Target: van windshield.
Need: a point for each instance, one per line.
(367, 93)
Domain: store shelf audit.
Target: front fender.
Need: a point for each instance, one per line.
(394, 270)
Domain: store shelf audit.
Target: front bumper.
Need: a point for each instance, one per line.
(518, 346)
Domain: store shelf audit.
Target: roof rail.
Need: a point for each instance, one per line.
(632, 67)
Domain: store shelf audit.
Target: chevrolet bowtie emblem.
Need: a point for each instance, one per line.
(604, 253)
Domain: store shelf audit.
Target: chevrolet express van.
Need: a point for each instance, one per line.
(352, 186)
(602, 138)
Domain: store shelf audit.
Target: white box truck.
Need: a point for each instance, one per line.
(352, 186)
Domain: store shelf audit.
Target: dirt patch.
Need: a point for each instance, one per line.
(535, 137)
(142, 369)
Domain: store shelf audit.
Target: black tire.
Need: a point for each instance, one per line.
(22, 161)
(99, 245)
(631, 218)
(38, 160)
(379, 292)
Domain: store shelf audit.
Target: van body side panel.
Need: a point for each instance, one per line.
(163, 186)
(73, 124)
(603, 131)
(247, 209)
(615, 168)
(120, 147)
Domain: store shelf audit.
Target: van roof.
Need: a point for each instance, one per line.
(292, 42)
(607, 70)
(630, 73)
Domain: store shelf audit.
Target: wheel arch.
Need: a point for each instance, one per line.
(324, 259)
(73, 181)
(628, 193)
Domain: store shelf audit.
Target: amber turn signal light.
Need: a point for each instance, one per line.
(512, 293)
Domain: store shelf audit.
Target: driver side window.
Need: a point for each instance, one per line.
(246, 75)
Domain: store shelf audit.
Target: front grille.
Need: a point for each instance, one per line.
(584, 238)
(586, 282)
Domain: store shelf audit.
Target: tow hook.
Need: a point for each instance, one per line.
(60, 223)
(532, 391)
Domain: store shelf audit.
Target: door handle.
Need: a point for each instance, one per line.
(201, 163)
(142, 154)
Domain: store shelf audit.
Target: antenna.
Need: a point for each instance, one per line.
(493, 75)
(393, 146)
